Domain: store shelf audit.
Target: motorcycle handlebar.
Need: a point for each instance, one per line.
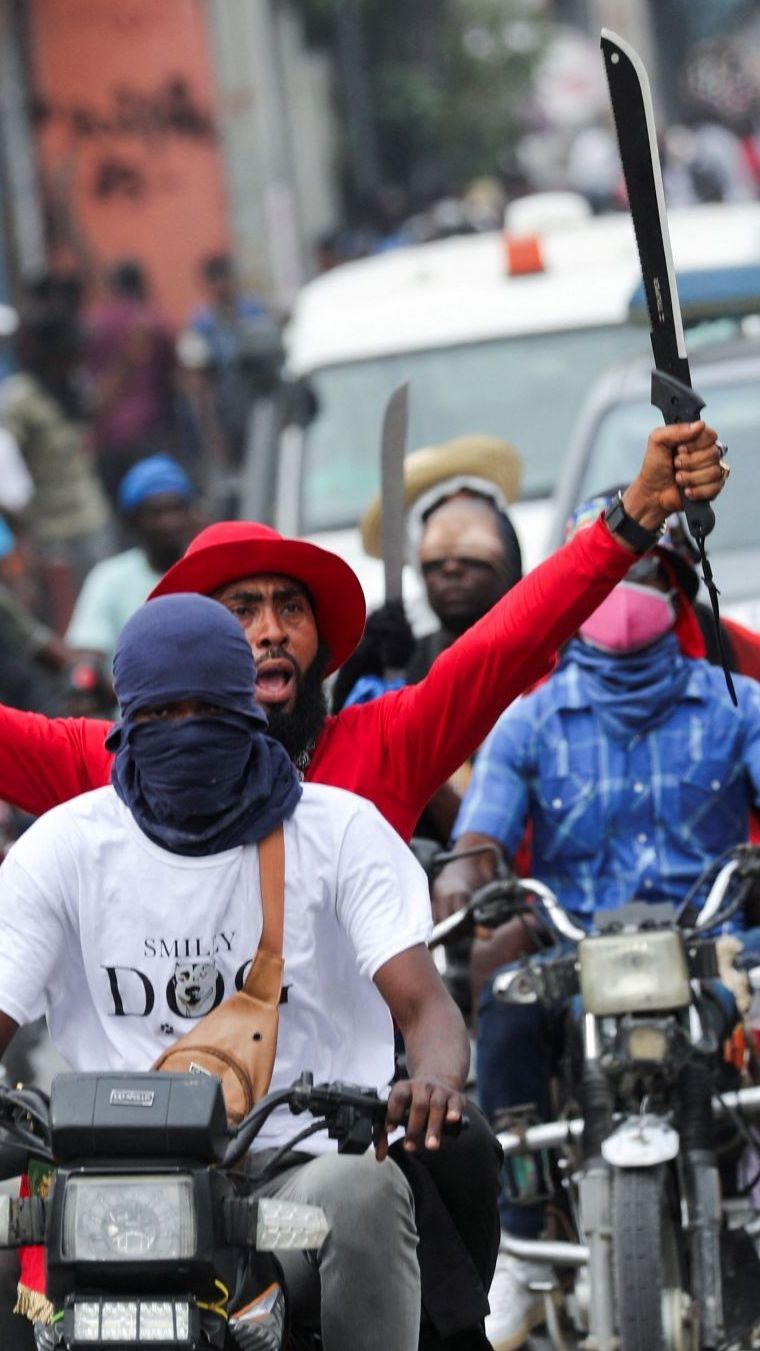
(337, 1105)
(24, 1129)
(497, 902)
(514, 892)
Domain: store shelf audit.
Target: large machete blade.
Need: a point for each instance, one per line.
(637, 138)
(632, 107)
(392, 452)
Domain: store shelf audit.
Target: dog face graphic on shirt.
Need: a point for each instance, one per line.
(194, 989)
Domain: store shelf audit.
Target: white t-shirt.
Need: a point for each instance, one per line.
(121, 943)
(111, 592)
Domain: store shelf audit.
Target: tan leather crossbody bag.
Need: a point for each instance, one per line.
(237, 1041)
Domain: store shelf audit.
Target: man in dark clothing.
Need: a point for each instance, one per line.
(460, 539)
(469, 556)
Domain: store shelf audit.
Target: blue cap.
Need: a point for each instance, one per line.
(150, 478)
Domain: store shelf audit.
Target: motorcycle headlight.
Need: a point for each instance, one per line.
(130, 1321)
(633, 973)
(129, 1219)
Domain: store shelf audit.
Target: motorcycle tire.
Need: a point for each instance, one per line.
(648, 1262)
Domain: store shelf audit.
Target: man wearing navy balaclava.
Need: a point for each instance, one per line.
(134, 909)
(193, 763)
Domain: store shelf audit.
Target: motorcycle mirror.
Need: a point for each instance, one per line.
(14, 1158)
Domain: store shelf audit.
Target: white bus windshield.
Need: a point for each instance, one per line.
(526, 390)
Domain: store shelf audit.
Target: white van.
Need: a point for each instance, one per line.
(498, 333)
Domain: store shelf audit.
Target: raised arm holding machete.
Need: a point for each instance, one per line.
(672, 390)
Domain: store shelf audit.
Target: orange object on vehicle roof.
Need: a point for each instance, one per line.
(523, 254)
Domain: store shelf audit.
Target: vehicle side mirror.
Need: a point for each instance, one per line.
(301, 404)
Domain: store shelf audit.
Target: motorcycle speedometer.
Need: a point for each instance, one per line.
(140, 1217)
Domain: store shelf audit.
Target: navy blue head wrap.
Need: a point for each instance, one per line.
(199, 784)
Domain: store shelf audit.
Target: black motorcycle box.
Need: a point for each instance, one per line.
(137, 1115)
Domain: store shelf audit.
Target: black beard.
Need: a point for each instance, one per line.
(298, 731)
(162, 556)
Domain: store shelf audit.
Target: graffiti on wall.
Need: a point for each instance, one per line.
(124, 117)
(131, 118)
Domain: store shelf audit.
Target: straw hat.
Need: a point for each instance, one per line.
(474, 462)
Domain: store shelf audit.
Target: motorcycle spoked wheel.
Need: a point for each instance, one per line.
(651, 1295)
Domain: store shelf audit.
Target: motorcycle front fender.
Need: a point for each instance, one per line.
(641, 1142)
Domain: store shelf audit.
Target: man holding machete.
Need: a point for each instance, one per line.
(303, 611)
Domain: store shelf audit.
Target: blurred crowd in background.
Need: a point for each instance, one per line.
(704, 161)
(117, 436)
(557, 131)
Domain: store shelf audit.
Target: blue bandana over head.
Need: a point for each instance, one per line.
(632, 692)
(205, 783)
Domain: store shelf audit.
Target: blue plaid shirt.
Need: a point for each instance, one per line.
(614, 820)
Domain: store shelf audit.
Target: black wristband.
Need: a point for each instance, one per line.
(620, 523)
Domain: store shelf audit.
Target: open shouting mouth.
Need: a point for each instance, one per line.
(276, 682)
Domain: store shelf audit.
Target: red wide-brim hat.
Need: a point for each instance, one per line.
(231, 550)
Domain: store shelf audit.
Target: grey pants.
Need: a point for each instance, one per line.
(363, 1285)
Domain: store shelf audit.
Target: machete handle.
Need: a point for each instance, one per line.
(680, 403)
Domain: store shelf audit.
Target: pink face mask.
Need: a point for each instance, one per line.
(630, 618)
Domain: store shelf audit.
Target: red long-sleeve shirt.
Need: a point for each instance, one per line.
(397, 750)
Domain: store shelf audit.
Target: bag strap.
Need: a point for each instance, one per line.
(264, 979)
